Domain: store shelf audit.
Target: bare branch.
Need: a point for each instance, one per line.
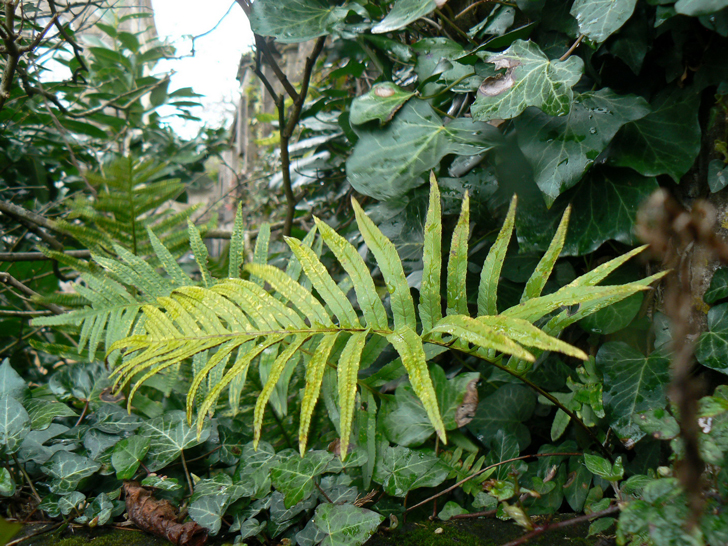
(8, 279)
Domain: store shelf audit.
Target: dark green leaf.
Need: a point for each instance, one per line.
(603, 468)
(506, 409)
(169, 435)
(346, 524)
(451, 509)
(619, 194)
(717, 176)
(14, 424)
(11, 384)
(695, 8)
(718, 288)
(667, 141)
(295, 20)
(561, 149)
(401, 469)
(7, 483)
(632, 384)
(530, 79)
(293, 476)
(381, 102)
(67, 470)
(599, 19)
(613, 318)
(577, 484)
(128, 455)
(208, 511)
(161, 482)
(403, 13)
(387, 162)
(712, 348)
(113, 419)
(42, 412)
(659, 424)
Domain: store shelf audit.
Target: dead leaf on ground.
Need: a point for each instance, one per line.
(159, 517)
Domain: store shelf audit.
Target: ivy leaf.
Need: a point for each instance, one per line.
(381, 102)
(659, 424)
(403, 13)
(67, 470)
(712, 349)
(438, 65)
(42, 412)
(401, 469)
(169, 435)
(717, 176)
(619, 194)
(295, 20)
(7, 483)
(14, 425)
(633, 384)
(11, 384)
(667, 141)
(530, 79)
(603, 468)
(293, 476)
(561, 149)
(451, 509)
(599, 19)
(506, 409)
(387, 162)
(127, 456)
(346, 524)
(695, 8)
(208, 511)
(718, 288)
(231, 445)
(113, 419)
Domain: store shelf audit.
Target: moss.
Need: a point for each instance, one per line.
(479, 532)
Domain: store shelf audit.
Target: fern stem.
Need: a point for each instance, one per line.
(605, 451)
(286, 437)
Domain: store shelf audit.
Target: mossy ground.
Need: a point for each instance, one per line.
(462, 532)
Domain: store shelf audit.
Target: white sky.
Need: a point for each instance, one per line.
(212, 70)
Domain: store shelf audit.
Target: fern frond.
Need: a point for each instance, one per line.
(239, 322)
(457, 265)
(540, 275)
(314, 376)
(260, 252)
(490, 274)
(236, 252)
(430, 306)
(366, 293)
(403, 307)
(200, 252)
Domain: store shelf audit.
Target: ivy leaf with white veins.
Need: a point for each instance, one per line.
(346, 524)
(712, 349)
(293, 476)
(561, 149)
(387, 162)
(633, 384)
(530, 79)
(401, 470)
(403, 13)
(381, 102)
(293, 21)
(10, 382)
(67, 470)
(169, 435)
(667, 141)
(599, 19)
(506, 409)
(14, 425)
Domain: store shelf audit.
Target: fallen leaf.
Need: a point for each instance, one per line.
(159, 517)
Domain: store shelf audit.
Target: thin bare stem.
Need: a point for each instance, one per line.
(467, 479)
(572, 48)
(566, 523)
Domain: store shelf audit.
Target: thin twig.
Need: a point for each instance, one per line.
(27, 478)
(484, 514)
(187, 472)
(7, 278)
(23, 314)
(40, 257)
(468, 478)
(572, 48)
(456, 28)
(566, 523)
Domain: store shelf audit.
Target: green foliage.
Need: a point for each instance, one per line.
(187, 323)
